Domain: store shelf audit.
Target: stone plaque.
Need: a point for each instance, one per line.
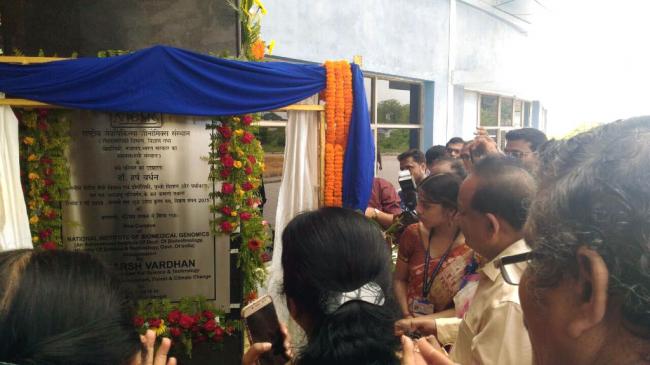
(140, 201)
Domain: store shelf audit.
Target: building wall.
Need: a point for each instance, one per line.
(408, 38)
(87, 27)
(493, 56)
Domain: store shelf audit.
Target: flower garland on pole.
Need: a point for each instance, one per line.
(338, 109)
(45, 173)
(237, 161)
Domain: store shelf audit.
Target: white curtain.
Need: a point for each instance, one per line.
(298, 190)
(14, 225)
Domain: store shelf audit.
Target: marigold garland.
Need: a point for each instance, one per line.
(338, 109)
(45, 172)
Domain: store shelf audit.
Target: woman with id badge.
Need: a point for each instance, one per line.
(432, 254)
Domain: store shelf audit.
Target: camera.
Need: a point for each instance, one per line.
(409, 197)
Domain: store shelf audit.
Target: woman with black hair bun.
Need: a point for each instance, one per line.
(64, 307)
(337, 281)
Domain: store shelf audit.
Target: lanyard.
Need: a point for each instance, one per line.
(427, 284)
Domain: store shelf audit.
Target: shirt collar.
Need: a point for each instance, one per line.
(491, 271)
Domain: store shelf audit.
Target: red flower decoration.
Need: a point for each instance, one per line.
(46, 197)
(227, 188)
(218, 334)
(208, 314)
(254, 245)
(245, 216)
(154, 322)
(48, 182)
(252, 202)
(252, 159)
(251, 296)
(199, 339)
(230, 330)
(42, 125)
(138, 321)
(51, 214)
(174, 316)
(226, 227)
(49, 171)
(42, 113)
(247, 138)
(247, 186)
(226, 132)
(247, 119)
(49, 245)
(210, 325)
(225, 173)
(45, 234)
(175, 331)
(186, 321)
(265, 257)
(223, 148)
(227, 161)
(248, 170)
(226, 210)
(46, 160)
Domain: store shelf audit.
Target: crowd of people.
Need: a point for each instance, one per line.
(537, 254)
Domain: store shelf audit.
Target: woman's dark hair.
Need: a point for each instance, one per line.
(595, 191)
(441, 188)
(62, 307)
(334, 250)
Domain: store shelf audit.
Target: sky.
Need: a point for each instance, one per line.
(594, 61)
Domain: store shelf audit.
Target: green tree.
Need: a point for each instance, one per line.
(392, 111)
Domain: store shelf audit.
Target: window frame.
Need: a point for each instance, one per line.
(373, 105)
(504, 128)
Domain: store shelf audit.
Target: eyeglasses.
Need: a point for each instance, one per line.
(512, 267)
(517, 154)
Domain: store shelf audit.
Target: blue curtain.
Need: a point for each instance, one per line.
(175, 81)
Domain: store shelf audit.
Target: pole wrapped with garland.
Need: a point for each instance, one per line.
(237, 160)
(45, 172)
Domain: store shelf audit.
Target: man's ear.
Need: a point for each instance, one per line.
(591, 291)
(493, 225)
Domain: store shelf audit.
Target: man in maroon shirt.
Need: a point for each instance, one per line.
(384, 202)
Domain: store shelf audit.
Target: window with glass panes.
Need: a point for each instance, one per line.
(395, 107)
(500, 114)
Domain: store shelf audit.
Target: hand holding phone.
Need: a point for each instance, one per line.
(269, 340)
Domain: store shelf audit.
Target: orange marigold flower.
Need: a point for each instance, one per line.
(257, 49)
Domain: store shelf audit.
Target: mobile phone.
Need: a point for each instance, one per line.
(262, 325)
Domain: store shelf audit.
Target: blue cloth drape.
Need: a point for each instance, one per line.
(359, 160)
(176, 81)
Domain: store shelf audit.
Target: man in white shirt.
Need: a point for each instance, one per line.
(493, 204)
